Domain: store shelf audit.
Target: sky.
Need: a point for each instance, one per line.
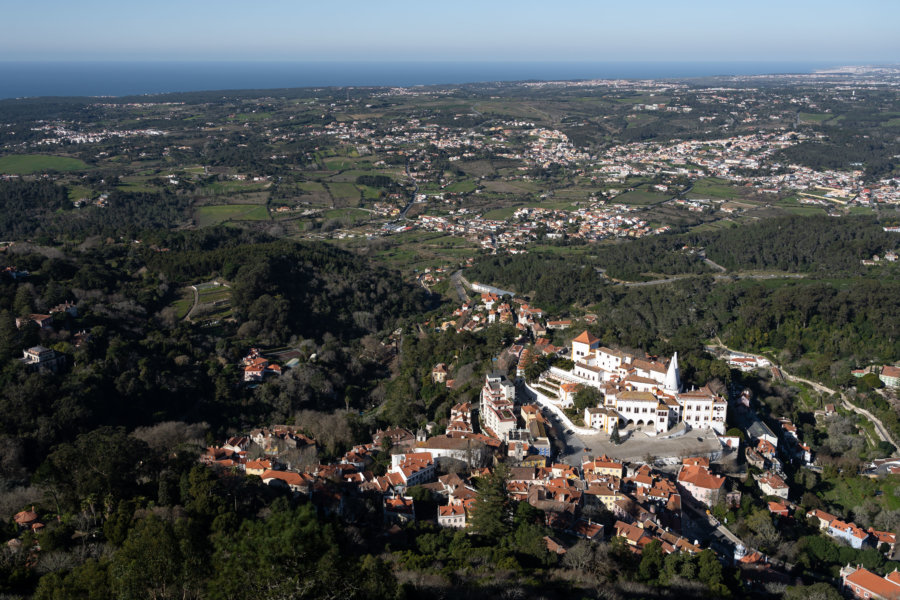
(858, 31)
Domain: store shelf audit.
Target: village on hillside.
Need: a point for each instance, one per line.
(525, 428)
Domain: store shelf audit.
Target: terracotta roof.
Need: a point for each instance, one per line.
(586, 338)
(890, 371)
(700, 477)
(881, 586)
(451, 510)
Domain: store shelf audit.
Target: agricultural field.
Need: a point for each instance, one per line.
(220, 188)
(712, 187)
(206, 216)
(350, 215)
(344, 194)
(26, 164)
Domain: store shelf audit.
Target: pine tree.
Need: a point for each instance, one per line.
(614, 436)
(492, 512)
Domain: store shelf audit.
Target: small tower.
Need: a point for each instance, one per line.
(673, 375)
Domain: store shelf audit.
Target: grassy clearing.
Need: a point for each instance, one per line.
(25, 164)
(220, 213)
(77, 192)
(814, 117)
(370, 193)
(852, 491)
(805, 211)
(895, 122)
(501, 214)
(183, 304)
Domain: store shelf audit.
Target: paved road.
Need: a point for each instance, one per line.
(412, 200)
(456, 280)
(720, 277)
(187, 317)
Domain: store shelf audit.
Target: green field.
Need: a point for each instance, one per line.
(311, 186)
(370, 193)
(25, 164)
(814, 117)
(76, 192)
(461, 187)
(344, 191)
(234, 187)
(339, 163)
(213, 215)
(501, 214)
(640, 198)
(352, 214)
(712, 187)
(256, 116)
(895, 122)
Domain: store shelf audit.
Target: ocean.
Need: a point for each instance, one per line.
(21, 79)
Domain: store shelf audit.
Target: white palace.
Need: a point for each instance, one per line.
(636, 391)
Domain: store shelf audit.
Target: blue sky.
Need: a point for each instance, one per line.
(598, 30)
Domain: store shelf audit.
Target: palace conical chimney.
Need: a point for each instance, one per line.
(673, 375)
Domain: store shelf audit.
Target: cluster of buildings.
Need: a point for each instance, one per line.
(256, 367)
(597, 221)
(852, 534)
(888, 374)
(61, 133)
(45, 321)
(639, 391)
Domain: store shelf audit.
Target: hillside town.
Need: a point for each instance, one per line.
(432, 474)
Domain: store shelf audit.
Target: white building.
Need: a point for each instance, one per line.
(497, 400)
(452, 515)
(701, 409)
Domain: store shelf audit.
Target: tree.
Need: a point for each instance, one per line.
(492, 511)
(710, 573)
(149, 563)
(535, 367)
(816, 591)
(651, 561)
(614, 434)
(586, 397)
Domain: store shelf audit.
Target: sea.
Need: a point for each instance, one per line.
(28, 79)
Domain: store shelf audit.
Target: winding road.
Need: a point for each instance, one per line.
(883, 434)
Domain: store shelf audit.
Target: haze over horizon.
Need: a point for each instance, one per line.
(96, 30)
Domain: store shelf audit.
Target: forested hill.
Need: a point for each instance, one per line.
(287, 288)
(814, 245)
(798, 244)
(32, 209)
